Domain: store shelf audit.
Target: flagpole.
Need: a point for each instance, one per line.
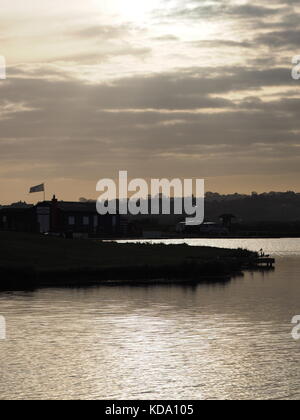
(44, 192)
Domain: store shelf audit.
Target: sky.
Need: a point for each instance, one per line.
(160, 88)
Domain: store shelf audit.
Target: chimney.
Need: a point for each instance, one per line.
(54, 214)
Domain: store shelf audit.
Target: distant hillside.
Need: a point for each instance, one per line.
(269, 207)
(283, 207)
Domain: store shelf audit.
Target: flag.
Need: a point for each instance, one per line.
(37, 188)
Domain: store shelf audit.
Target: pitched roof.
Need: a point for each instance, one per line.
(77, 206)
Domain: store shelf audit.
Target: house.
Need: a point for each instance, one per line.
(18, 219)
(206, 229)
(69, 219)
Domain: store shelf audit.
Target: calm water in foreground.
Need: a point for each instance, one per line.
(217, 341)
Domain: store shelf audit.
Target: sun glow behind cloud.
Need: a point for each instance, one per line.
(136, 11)
(94, 37)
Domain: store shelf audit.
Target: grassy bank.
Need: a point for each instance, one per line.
(33, 260)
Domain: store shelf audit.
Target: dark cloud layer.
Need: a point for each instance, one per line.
(177, 114)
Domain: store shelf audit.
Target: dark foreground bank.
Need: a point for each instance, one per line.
(31, 261)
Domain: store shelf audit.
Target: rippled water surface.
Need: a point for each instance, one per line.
(216, 341)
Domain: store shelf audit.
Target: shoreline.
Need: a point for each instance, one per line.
(83, 283)
(32, 261)
(27, 278)
(170, 238)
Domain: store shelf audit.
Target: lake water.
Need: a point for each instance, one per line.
(221, 341)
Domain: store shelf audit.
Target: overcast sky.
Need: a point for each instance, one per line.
(160, 88)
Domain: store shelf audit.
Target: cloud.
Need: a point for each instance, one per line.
(168, 37)
(280, 39)
(187, 116)
(219, 10)
(102, 32)
(200, 89)
(221, 43)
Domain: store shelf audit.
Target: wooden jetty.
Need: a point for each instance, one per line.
(265, 261)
